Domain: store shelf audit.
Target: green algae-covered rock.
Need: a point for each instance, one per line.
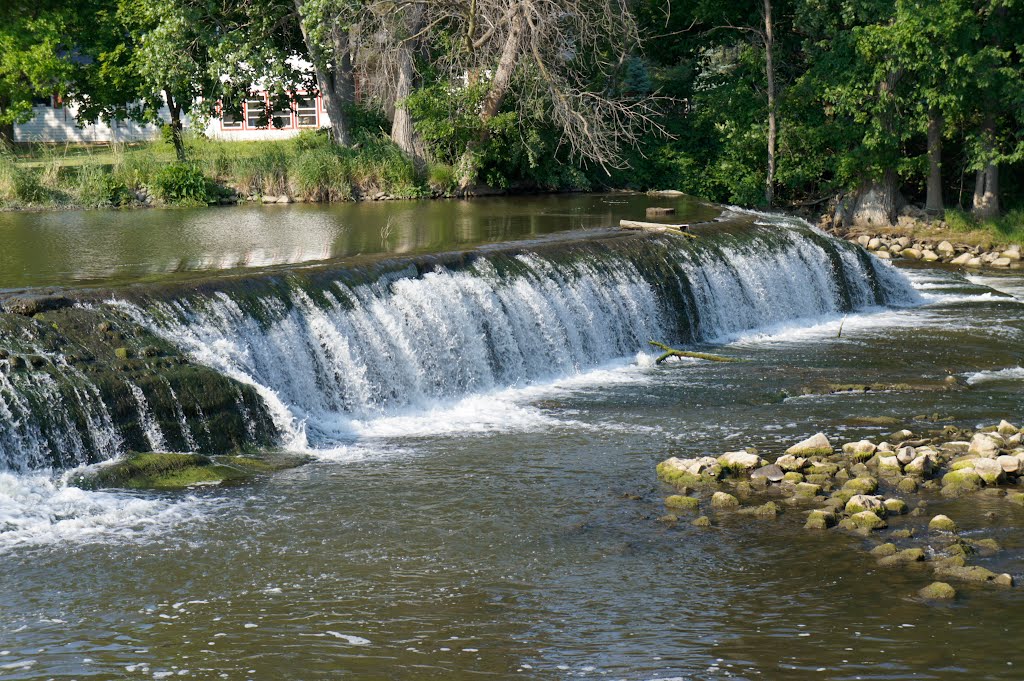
(895, 506)
(907, 486)
(702, 521)
(767, 510)
(902, 558)
(158, 470)
(863, 485)
(1016, 498)
(866, 520)
(724, 500)
(942, 523)
(820, 520)
(865, 502)
(860, 451)
(967, 573)
(793, 477)
(807, 490)
(903, 533)
(679, 502)
(883, 550)
(958, 482)
(938, 591)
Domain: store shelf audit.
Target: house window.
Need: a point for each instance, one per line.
(256, 113)
(305, 111)
(283, 118)
(229, 120)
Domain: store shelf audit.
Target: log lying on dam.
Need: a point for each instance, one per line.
(656, 227)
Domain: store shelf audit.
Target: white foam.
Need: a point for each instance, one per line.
(40, 508)
(349, 638)
(1008, 374)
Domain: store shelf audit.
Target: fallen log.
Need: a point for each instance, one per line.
(657, 227)
(673, 352)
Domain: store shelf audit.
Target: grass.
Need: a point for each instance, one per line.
(958, 226)
(307, 167)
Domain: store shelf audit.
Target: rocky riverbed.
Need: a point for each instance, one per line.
(877, 490)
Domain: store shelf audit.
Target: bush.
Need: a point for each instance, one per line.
(181, 184)
(379, 165)
(94, 187)
(20, 185)
(442, 177)
(312, 139)
(266, 172)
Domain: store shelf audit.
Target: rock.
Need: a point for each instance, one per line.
(985, 445)
(820, 520)
(724, 500)
(864, 502)
(884, 255)
(1006, 428)
(945, 249)
(122, 353)
(883, 550)
(987, 546)
(669, 519)
(1001, 262)
(901, 435)
(1009, 464)
(912, 253)
(973, 262)
(861, 486)
(682, 503)
(689, 472)
(941, 523)
(956, 483)
(863, 240)
(903, 557)
(767, 510)
(904, 533)
(1003, 580)
(907, 486)
(284, 198)
(938, 591)
(788, 462)
(793, 477)
(702, 521)
(861, 451)
(922, 465)
(771, 473)
(889, 466)
(818, 445)
(990, 470)
(962, 259)
(905, 455)
(929, 256)
(866, 520)
(1016, 498)
(973, 573)
(874, 244)
(807, 490)
(740, 461)
(895, 506)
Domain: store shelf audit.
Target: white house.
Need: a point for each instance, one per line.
(55, 122)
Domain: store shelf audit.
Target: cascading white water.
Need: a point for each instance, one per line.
(408, 342)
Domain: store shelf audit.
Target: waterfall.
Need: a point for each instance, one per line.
(310, 355)
(411, 339)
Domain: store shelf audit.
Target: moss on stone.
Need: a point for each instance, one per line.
(868, 521)
(967, 573)
(681, 502)
(895, 506)
(862, 485)
(907, 486)
(702, 521)
(942, 523)
(156, 471)
(820, 520)
(903, 557)
(724, 500)
(938, 591)
(883, 550)
(903, 533)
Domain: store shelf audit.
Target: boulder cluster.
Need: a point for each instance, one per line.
(862, 486)
(890, 247)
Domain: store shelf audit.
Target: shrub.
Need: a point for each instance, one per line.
(379, 165)
(442, 177)
(181, 184)
(312, 139)
(266, 172)
(19, 184)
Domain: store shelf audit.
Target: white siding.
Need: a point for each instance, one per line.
(49, 124)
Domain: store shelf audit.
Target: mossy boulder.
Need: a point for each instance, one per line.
(724, 500)
(903, 557)
(903, 533)
(883, 550)
(968, 573)
(680, 502)
(895, 506)
(158, 470)
(867, 520)
(862, 485)
(820, 520)
(938, 591)
(942, 523)
(860, 451)
(907, 485)
(702, 521)
(959, 482)
(1016, 498)
(807, 490)
(865, 502)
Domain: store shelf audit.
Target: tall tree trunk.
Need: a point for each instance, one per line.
(986, 186)
(6, 129)
(769, 64)
(499, 87)
(403, 133)
(335, 77)
(933, 201)
(175, 110)
(877, 201)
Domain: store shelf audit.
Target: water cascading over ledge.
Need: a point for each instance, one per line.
(295, 356)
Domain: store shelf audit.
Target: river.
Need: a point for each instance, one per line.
(468, 518)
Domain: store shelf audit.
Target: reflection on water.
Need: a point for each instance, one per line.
(103, 247)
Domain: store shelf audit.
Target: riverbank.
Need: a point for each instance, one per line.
(306, 168)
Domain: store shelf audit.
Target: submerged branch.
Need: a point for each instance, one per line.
(672, 352)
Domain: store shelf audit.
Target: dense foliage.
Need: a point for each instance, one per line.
(852, 105)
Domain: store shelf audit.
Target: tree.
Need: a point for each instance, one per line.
(326, 27)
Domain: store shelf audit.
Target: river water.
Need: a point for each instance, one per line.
(511, 530)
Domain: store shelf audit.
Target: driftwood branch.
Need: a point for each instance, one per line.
(672, 352)
(658, 227)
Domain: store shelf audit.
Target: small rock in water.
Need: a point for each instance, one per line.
(938, 591)
(942, 523)
(772, 473)
(682, 503)
(702, 521)
(724, 500)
